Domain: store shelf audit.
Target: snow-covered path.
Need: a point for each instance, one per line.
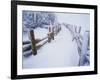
(61, 52)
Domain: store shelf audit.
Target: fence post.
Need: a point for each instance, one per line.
(56, 30)
(52, 34)
(33, 42)
(49, 35)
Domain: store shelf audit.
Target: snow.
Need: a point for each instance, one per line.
(77, 19)
(61, 52)
(40, 33)
(26, 36)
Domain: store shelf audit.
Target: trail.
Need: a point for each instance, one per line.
(61, 52)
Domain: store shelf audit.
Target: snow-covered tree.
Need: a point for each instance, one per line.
(33, 19)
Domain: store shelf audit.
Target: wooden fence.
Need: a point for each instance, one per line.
(52, 32)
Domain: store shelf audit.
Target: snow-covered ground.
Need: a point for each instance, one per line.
(40, 33)
(61, 52)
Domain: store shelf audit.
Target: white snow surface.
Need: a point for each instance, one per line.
(61, 52)
(40, 33)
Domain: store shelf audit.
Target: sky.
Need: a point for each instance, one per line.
(77, 19)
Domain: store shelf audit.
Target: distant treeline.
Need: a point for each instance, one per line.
(33, 19)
